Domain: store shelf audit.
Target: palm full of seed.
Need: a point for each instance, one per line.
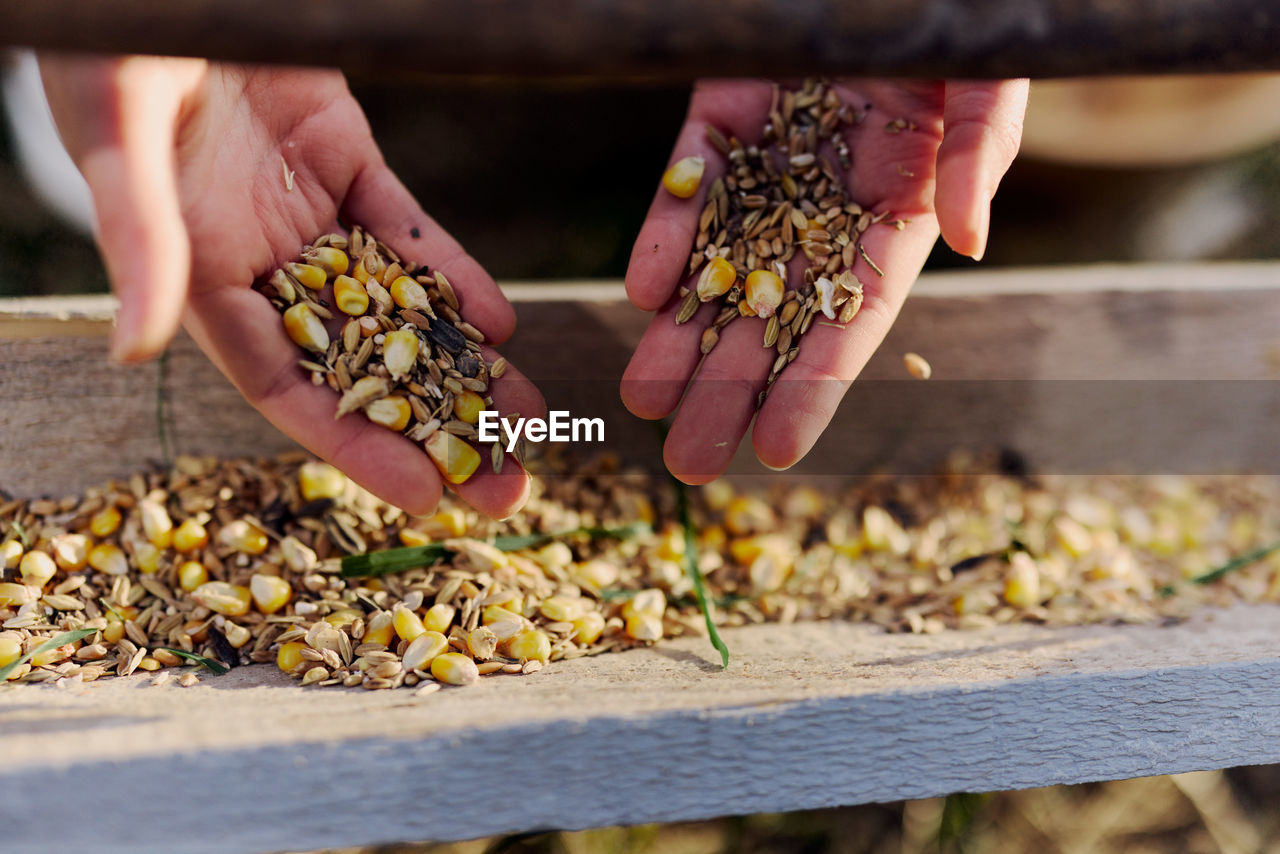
(404, 356)
(777, 201)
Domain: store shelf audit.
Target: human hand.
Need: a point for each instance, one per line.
(187, 161)
(939, 173)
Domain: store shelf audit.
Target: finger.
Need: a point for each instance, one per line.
(660, 257)
(719, 404)
(664, 360)
(805, 396)
(514, 392)
(498, 496)
(379, 202)
(241, 333)
(121, 116)
(982, 129)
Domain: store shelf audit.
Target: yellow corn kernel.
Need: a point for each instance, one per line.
(400, 352)
(157, 527)
(408, 625)
(482, 643)
(453, 668)
(191, 575)
(290, 655)
(380, 629)
(270, 592)
(746, 514)
(16, 595)
(190, 536)
(718, 494)
(305, 328)
(108, 558)
(652, 602)
(974, 602)
(412, 537)
(644, 627)
(447, 523)
(424, 649)
(105, 522)
(343, 617)
(588, 628)
(531, 645)
(561, 609)
(147, 558)
(716, 279)
(10, 554)
(1072, 536)
(350, 296)
(468, 406)
(244, 537)
(744, 550)
(671, 543)
(71, 551)
(494, 614)
(308, 275)
(881, 532)
(553, 555)
(10, 650)
(1022, 581)
(114, 630)
(764, 292)
(332, 260)
(407, 293)
(51, 656)
(37, 568)
(455, 459)
(318, 480)
(712, 538)
(683, 177)
(236, 635)
(594, 575)
(439, 617)
(230, 600)
(392, 412)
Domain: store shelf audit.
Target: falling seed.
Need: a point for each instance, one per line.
(917, 366)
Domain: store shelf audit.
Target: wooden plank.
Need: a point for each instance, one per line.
(808, 715)
(694, 38)
(1126, 346)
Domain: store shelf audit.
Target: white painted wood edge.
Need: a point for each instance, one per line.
(807, 716)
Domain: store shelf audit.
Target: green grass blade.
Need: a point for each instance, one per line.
(695, 574)
(390, 561)
(1238, 562)
(217, 667)
(52, 643)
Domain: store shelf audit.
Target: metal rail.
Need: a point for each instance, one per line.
(674, 39)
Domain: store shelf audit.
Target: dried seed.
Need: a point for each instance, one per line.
(917, 366)
(688, 308)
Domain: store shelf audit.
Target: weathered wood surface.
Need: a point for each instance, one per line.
(806, 716)
(1153, 368)
(692, 38)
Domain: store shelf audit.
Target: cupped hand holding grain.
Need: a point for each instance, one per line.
(931, 153)
(207, 177)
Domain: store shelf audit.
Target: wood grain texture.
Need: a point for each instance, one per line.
(629, 38)
(1080, 369)
(808, 715)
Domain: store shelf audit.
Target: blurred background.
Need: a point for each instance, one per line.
(552, 182)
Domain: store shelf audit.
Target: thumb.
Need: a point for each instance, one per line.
(119, 118)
